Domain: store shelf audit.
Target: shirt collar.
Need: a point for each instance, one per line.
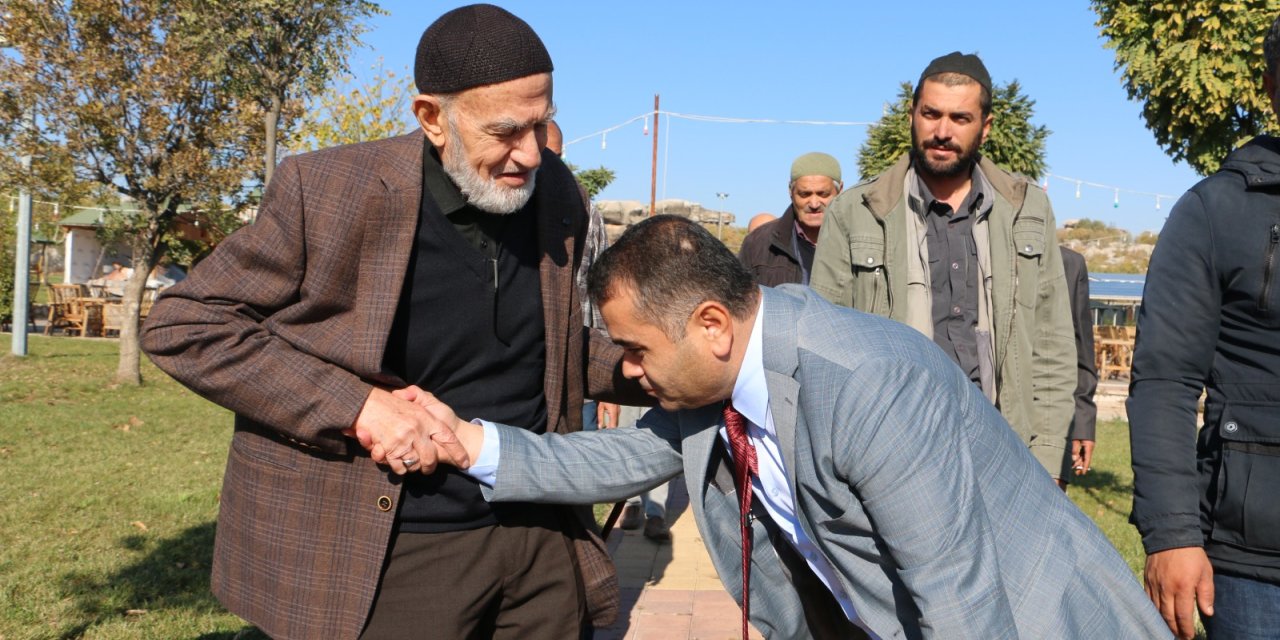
(800, 234)
(976, 202)
(438, 184)
(750, 390)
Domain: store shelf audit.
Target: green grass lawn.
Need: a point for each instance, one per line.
(108, 498)
(1106, 492)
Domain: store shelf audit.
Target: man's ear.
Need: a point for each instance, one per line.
(712, 322)
(430, 117)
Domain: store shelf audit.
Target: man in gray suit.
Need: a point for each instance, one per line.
(890, 498)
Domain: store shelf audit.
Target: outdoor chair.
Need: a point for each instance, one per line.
(66, 311)
(1117, 357)
(112, 317)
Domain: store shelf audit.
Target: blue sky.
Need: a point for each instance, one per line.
(824, 61)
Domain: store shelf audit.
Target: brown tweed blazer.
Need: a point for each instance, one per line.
(286, 323)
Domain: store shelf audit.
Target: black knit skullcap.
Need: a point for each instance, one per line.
(476, 45)
(963, 63)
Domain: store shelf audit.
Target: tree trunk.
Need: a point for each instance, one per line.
(129, 370)
(273, 120)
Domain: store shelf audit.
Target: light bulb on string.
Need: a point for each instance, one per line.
(1045, 186)
(1115, 204)
(1078, 183)
(604, 141)
(646, 125)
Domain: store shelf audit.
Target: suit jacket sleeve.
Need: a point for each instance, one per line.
(212, 331)
(1083, 425)
(1053, 358)
(586, 467)
(907, 457)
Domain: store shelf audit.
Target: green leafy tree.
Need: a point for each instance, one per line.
(346, 114)
(129, 92)
(1013, 143)
(595, 180)
(1196, 66)
(279, 52)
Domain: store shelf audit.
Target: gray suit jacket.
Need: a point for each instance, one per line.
(932, 511)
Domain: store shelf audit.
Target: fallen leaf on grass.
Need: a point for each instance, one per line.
(135, 612)
(134, 421)
(139, 524)
(4, 451)
(180, 565)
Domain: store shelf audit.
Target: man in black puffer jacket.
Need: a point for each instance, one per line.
(1208, 506)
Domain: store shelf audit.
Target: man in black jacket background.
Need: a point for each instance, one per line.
(781, 251)
(1208, 504)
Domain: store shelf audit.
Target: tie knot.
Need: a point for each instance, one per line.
(732, 418)
(744, 454)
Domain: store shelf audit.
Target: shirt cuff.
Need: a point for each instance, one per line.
(485, 467)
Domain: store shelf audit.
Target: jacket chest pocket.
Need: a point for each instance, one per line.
(1029, 245)
(1246, 512)
(870, 284)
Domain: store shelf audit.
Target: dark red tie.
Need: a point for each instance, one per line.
(744, 466)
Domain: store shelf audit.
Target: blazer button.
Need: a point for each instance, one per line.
(384, 503)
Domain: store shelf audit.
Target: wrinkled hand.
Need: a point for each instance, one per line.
(469, 436)
(607, 415)
(1081, 456)
(1177, 580)
(396, 431)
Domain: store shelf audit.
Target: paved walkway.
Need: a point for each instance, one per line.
(670, 590)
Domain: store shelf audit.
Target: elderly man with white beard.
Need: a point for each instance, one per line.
(443, 259)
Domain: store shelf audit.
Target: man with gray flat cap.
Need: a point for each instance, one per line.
(443, 259)
(781, 251)
(964, 252)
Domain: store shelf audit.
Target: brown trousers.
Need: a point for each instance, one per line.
(515, 580)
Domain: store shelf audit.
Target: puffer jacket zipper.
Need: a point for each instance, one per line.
(1269, 268)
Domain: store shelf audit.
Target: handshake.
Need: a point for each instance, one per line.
(411, 430)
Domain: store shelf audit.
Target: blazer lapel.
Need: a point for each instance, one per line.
(559, 293)
(701, 429)
(783, 394)
(389, 228)
(781, 361)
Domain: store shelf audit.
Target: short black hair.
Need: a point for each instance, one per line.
(672, 265)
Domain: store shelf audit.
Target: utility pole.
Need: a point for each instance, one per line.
(653, 179)
(22, 263)
(720, 216)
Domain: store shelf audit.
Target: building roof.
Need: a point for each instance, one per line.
(83, 218)
(1118, 287)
